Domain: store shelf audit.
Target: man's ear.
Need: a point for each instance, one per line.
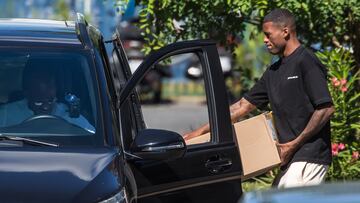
(286, 33)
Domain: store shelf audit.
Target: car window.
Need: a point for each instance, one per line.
(173, 95)
(48, 94)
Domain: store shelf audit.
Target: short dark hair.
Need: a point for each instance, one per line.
(281, 16)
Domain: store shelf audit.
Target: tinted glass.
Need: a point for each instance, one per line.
(173, 96)
(48, 95)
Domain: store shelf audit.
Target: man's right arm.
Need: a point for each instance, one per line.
(237, 110)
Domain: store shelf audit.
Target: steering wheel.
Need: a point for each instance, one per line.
(55, 123)
(45, 125)
(43, 116)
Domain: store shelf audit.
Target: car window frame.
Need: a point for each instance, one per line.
(213, 77)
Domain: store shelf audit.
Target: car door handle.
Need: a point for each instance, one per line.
(218, 165)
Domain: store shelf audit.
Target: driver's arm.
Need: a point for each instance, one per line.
(63, 112)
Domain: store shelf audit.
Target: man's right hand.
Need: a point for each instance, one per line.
(237, 110)
(192, 134)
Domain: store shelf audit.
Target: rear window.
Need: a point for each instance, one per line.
(49, 95)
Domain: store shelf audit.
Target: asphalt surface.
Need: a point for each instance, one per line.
(179, 117)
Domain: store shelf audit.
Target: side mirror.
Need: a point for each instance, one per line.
(158, 145)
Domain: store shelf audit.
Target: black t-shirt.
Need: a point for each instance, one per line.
(294, 86)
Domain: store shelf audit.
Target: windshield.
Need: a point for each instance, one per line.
(48, 95)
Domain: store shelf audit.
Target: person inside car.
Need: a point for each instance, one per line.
(40, 92)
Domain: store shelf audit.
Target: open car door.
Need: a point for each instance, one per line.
(164, 167)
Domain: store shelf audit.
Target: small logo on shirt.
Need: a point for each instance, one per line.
(292, 77)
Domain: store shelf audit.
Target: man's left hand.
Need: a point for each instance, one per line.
(287, 151)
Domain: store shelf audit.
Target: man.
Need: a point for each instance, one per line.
(296, 88)
(40, 98)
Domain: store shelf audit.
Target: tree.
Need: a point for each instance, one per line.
(332, 23)
(328, 23)
(62, 10)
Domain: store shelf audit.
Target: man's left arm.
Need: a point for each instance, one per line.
(317, 121)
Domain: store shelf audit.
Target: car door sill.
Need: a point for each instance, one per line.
(200, 183)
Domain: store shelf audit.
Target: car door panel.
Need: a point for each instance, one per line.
(185, 171)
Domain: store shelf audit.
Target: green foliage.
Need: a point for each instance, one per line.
(260, 182)
(345, 121)
(251, 60)
(329, 22)
(62, 10)
(215, 19)
(345, 166)
(120, 6)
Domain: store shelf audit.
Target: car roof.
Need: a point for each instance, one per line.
(38, 30)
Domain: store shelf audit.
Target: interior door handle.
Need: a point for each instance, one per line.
(219, 165)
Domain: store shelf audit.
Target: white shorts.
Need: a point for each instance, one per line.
(303, 173)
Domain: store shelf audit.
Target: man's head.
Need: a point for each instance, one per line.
(40, 89)
(278, 27)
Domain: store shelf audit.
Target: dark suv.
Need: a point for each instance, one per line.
(72, 130)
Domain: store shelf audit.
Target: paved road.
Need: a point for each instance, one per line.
(181, 117)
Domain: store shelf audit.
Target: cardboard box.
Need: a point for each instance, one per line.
(256, 138)
(199, 140)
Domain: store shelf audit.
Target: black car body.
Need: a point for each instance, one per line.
(112, 157)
